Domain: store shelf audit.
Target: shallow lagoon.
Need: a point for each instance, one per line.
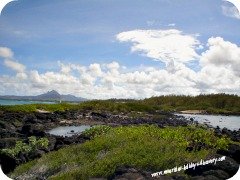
(68, 130)
(230, 122)
(20, 102)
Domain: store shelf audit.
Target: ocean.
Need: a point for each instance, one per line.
(19, 102)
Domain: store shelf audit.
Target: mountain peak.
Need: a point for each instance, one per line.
(53, 92)
(51, 95)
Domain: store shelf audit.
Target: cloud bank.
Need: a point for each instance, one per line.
(219, 70)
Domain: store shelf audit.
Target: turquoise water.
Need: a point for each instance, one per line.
(230, 122)
(16, 102)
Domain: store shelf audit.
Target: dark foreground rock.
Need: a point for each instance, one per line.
(221, 170)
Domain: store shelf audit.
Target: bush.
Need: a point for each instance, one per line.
(96, 131)
(146, 147)
(26, 148)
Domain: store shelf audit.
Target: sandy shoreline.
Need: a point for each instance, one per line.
(193, 112)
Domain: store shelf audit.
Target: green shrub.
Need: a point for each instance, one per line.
(26, 148)
(96, 131)
(146, 147)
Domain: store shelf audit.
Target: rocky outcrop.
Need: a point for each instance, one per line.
(19, 126)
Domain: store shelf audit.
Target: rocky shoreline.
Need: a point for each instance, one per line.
(18, 126)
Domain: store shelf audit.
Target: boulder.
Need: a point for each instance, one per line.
(233, 152)
(220, 174)
(30, 119)
(8, 163)
(27, 129)
(36, 154)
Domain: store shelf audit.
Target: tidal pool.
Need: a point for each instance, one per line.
(68, 130)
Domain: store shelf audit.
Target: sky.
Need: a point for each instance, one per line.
(101, 49)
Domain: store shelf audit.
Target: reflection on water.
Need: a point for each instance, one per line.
(230, 122)
(68, 130)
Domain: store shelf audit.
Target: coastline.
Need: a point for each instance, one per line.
(193, 112)
(38, 122)
(206, 112)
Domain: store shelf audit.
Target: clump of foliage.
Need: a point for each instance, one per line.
(212, 103)
(198, 138)
(146, 147)
(96, 131)
(26, 148)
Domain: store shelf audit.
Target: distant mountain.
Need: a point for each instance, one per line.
(49, 96)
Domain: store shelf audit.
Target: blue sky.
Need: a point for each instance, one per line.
(44, 34)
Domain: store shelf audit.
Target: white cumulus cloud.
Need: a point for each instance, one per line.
(18, 67)
(162, 45)
(6, 52)
(222, 53)
(219, 72)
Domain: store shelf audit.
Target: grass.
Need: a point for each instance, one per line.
(33, 107)
(146, 147)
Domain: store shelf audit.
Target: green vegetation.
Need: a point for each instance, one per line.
(213, 103)
(146, 147)
(26, 148)
(34, 107)
(96, 131)
(98, 105)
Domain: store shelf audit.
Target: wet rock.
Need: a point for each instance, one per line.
(31, 119)
(36, 154)
(211, 177)
(3, 124)
(8, 142)
(130, 176)
(27, 129)
(229, 166)
(59, 143)
(127, 173)
(179, 177)
(226, 131)
(38, 133)
(218, 132)
(197, 178)
(5, 133)
(233, 152)
(217, 173)
(8, 163)
(51, 143)
(99, 115)
(22, 158)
